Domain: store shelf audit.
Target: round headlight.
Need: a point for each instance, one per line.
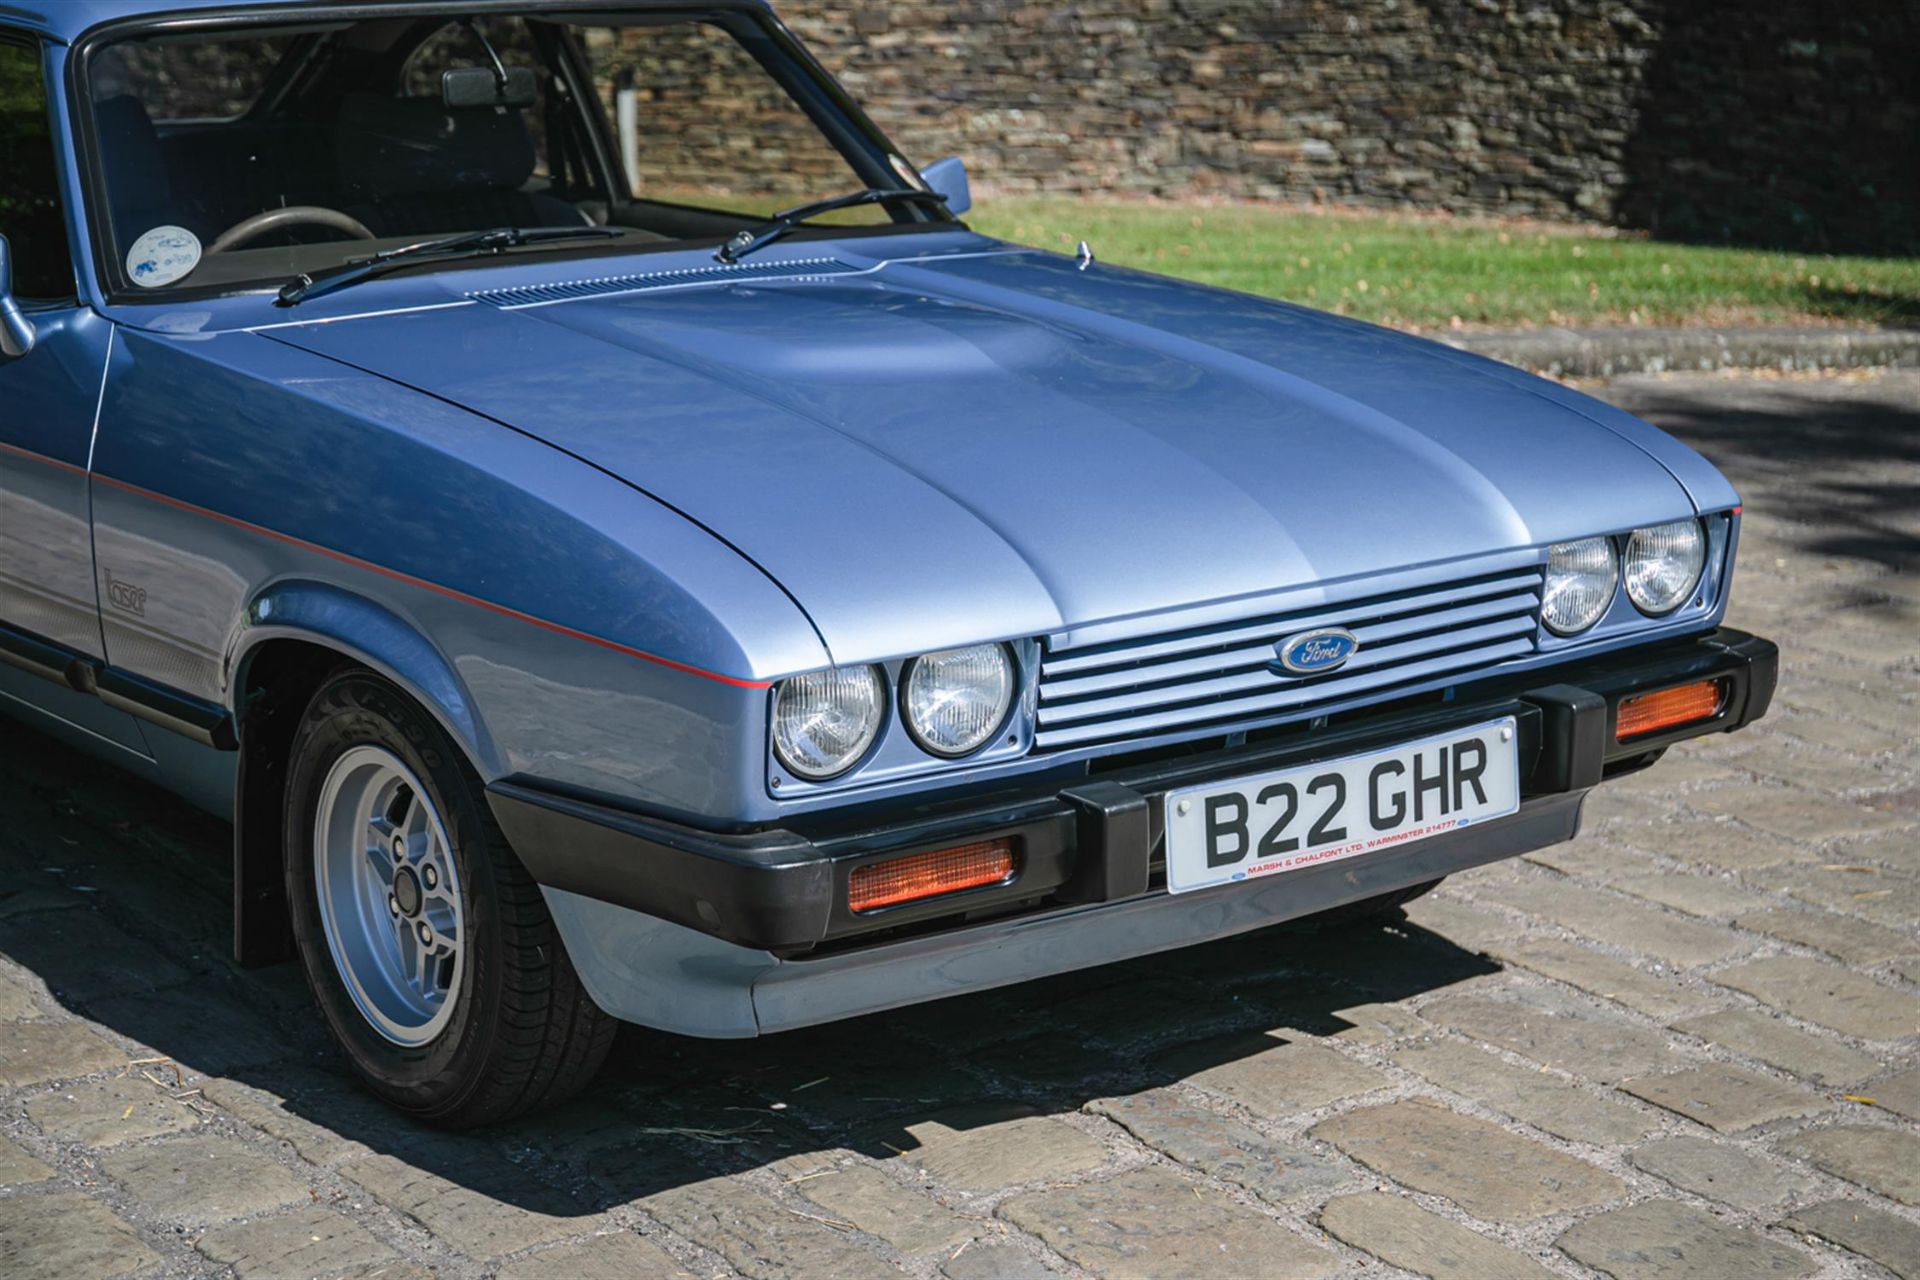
(1580, 581)
(823, 722)
(957, 699)
(1664, 564)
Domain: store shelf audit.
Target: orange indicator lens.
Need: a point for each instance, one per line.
(1686, 704)
(930, 874)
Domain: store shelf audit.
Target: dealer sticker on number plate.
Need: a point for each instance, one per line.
(1262, 826)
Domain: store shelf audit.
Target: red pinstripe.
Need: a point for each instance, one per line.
(391, 574)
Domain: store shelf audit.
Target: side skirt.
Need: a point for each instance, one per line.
(205, 722)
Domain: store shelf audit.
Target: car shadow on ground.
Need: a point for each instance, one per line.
(116, 897)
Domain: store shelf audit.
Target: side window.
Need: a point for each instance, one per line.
(29, 183)
(204, 81)
(702, 123)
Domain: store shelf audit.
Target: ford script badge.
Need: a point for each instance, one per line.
(1313, 653)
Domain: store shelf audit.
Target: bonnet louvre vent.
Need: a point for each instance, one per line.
(718, 273)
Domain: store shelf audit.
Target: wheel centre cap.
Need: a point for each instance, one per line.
(406, 891)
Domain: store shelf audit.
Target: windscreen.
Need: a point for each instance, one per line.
(243, 159)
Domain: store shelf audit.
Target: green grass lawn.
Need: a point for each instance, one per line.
(1425, 273)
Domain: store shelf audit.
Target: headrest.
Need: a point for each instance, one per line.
(409, 146)
(137, 181)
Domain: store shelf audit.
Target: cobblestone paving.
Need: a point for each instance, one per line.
(1683, 1045)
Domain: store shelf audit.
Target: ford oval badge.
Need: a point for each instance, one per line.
(1314, 653)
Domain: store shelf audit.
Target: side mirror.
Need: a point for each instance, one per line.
(16, 331)
(949, 178)
(514, 87)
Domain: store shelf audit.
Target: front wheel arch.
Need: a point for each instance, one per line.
(293, 636)
(360, 630)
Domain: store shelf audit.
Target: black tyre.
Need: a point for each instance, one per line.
(426, 944)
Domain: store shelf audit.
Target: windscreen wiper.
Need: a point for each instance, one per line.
(471, 244)
(780, 224)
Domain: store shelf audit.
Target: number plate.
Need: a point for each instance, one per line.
(1262, 826)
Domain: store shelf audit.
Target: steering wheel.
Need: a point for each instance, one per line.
(299, 215)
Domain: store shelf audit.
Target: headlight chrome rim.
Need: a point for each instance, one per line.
(860, 689)
(989, 727)
(1580, 558)
(1639, 553)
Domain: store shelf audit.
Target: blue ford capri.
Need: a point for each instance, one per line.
(619, 547)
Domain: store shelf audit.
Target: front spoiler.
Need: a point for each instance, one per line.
(1094, 841)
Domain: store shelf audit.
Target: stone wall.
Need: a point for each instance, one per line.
(1787, 121)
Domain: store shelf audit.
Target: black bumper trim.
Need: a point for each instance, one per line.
(1114, 842)
(1096, 839)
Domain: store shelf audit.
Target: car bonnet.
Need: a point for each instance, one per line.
(927, 453)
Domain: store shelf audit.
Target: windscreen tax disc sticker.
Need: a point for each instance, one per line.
(161, 256)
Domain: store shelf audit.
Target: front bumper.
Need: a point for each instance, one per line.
(1094, 838)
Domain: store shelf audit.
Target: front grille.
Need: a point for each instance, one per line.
(1170, 681)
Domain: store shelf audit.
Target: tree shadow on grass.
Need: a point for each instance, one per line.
(113, 895)
(1889, 308)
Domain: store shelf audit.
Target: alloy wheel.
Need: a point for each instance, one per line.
(389, 896)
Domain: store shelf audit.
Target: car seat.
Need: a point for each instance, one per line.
(413, 166)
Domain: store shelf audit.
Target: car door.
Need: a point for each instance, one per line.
(49, 605)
